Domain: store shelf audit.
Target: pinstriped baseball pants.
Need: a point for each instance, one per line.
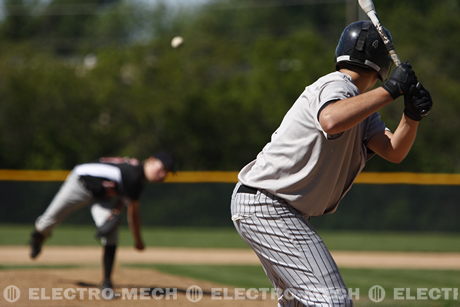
(292, 254)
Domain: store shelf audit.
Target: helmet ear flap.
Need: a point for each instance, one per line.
(359, 51)
(362, 38)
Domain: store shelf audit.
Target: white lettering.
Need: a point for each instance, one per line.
(216, 293)
(56, 294)
(147, 293)
(93, 293)
(398, 293)
(128, 293)
(239, 294)
(434, 294)
(353, 293)
(70, 294)
(171, 293)
(43, 294)
(422, 294)
(33, 294)
(252, 294)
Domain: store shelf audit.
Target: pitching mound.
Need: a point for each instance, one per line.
(139, 287)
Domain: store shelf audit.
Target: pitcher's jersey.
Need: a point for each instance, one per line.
(311, 170)
(123, 176)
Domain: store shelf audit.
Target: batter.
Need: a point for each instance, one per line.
(314, 156)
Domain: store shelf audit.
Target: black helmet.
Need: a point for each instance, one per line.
(361, 45)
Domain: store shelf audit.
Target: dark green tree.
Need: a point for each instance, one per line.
(104, 78)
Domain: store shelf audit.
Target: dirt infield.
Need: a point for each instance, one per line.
(149, 286)
(89, 254)
(139, 287)
(79, 286)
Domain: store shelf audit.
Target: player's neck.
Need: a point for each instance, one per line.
(364, 80)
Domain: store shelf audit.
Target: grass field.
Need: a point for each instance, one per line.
(249, 276)
(359, 280)
(228, 238)
(253, 276)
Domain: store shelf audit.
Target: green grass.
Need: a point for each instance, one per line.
(228, 238)
(153, 236)
(357, 279)
(392, 241)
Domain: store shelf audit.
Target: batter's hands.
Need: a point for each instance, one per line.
(400, 81)
(417, 102)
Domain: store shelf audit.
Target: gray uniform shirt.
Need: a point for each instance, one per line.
(311, 170)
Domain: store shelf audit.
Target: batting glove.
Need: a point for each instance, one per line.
(400, 80)
(417, 102)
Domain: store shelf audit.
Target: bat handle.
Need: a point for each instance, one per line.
(394, 57)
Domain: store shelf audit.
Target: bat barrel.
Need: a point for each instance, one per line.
(366, 5)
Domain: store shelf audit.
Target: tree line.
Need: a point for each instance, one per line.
(78, 82)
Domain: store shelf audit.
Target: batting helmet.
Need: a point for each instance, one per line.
(360, 44)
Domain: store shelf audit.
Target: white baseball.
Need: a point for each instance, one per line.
(177, 41)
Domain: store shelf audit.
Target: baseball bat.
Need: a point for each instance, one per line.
(368, 7)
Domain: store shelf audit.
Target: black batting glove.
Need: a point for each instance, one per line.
(400, 80)
(417, 102)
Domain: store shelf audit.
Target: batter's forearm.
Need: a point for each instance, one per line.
(403, 138)
(344, 114)
(394, 147)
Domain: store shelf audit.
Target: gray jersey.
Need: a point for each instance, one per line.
(311, 170)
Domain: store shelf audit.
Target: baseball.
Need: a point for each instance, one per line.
(177, 41)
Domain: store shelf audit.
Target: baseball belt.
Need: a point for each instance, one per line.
(245, 189)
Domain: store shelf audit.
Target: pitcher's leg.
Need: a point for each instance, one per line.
(100, 213)
(71, 196)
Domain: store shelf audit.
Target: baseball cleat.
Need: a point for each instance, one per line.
(107, 291)
(36, 242)
(107, 284)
